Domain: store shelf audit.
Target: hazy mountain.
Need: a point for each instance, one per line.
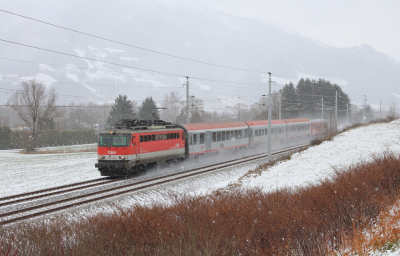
(177, 29)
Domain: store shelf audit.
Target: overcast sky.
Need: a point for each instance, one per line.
(338, 23)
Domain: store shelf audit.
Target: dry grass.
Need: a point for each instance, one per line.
(316, 220)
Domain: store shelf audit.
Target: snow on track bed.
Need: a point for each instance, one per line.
(317, 163)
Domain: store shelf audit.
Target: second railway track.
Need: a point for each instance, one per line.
(30, 205)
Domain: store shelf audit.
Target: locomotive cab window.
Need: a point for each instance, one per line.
(107, 140)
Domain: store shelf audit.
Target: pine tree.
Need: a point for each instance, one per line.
(122, 109)
(289, 102)
(5, 137)
(147, 109)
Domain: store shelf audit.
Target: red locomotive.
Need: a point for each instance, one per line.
(135, 145)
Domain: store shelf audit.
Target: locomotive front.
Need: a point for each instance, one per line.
(116, 153)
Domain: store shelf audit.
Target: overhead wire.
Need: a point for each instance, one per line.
(129, 45)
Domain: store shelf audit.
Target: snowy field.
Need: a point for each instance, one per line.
(319, 162)
(23, 173)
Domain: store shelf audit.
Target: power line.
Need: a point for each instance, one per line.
(108, 85)
(221, 82)
(129, 45)
(76, 56)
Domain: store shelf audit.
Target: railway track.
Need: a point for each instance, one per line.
(30, 205)
(4, 201)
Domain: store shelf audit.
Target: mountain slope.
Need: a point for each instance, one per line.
(195, 33)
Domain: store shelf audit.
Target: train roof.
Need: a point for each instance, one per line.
(264, 122)
(209, 126)
(291, 121)
(146, 130)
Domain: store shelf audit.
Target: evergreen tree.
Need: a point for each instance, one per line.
(122, 109)
(305, 97)
(5, 137)
(147, 109)
(289, 102)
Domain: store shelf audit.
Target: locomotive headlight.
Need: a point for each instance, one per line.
(101, 157)
(122, 157)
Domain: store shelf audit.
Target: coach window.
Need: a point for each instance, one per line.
(194, 139)
(201, 138)
(246, 133)
(190, 139)
(177, 135)
(145, 138)
(214, 136)
(218, 136)
(156, 136)
(223, 135)
(141, 138)
(153, 137)
(183, 135)
(227, 135)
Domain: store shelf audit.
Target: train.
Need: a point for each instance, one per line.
(136, 145)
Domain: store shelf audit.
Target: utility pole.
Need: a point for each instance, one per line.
(336, 111)
(187, 99)
(365, 104)
(280, 104)
(269, 119)
(380, 109)
(322, 117)
(191, 114)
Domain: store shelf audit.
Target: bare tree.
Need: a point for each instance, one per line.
(33, 105)
(392, 111)
(174, 108)
(240, 110)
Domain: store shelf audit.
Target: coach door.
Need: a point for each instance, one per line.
(208, 141)
(136, 141)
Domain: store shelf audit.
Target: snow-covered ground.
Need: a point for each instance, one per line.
(319, 162)
(22, 173)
